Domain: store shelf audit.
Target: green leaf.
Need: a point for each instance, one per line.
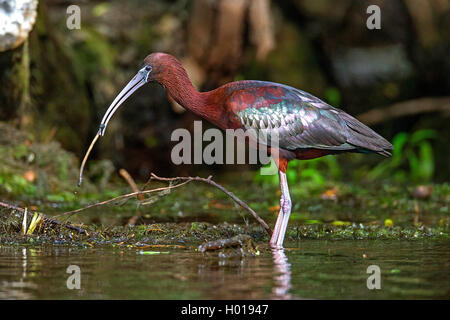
(426, 160)
(153, 252)
(421, 135)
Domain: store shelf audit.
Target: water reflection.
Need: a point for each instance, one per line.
(18, 288)
(235, 278)
(321, 269)
(282, 275)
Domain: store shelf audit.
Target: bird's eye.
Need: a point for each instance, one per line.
(148, 68)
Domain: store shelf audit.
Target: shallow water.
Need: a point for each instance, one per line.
(310, 269)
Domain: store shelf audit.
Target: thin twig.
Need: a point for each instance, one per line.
(224, 190)
(124, 196)
(129, 179)
(83, 163)
(185, 181)
(48, 220)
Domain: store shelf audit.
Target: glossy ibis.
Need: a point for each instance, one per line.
(306, 126)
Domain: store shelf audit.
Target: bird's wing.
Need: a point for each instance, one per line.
(302, 121)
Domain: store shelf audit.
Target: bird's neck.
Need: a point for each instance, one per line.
(181, 89)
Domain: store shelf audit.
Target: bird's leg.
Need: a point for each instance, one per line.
(286, 206)
(276, 229)
(283, 217)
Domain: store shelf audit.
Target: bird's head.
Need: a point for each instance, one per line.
(159, 67)
(156, 67)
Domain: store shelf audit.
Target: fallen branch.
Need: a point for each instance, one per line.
(129, 179)
(405, 108)
(48, 220)
(185, 181)
(221, 188)
(124, 196)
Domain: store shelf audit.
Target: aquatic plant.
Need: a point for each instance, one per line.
(412, 158)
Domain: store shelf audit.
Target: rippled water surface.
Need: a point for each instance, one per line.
(310, 269)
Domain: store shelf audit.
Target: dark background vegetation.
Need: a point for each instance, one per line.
(69, 77)
(56, 86)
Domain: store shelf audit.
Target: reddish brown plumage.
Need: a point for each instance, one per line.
(306, 127)
(223, 105)
(169, 72)
(283, 164)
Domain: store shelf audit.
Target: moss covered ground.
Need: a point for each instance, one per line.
(42, 177)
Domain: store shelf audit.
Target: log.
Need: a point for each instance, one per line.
(406, 108)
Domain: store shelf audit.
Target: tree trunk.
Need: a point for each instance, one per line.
(14, 85)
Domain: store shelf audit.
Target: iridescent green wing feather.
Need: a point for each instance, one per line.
(302, 121)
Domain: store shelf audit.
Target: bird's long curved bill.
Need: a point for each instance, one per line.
(138, 81)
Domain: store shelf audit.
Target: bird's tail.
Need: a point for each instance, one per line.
(364, 138)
